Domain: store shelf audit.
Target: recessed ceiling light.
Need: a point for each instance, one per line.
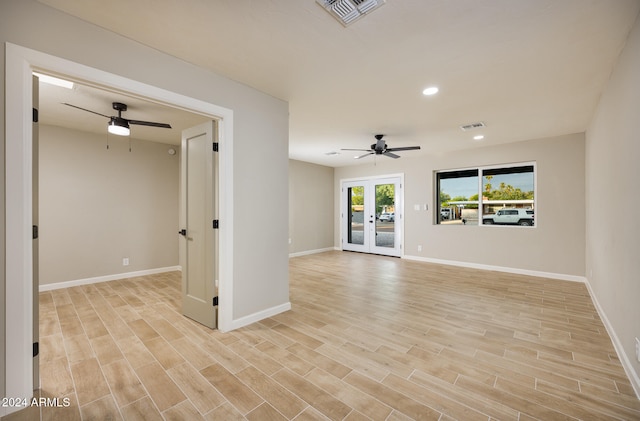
(54, 80)
(430, 91)
(478, 137)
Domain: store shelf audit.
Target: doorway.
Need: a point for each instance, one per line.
(372, 215)
(20, 62)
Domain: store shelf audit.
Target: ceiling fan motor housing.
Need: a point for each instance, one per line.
(119, 121)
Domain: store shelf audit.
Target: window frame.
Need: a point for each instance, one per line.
(480, 173)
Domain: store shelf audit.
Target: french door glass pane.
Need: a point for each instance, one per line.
(385, 215)
(355, 196)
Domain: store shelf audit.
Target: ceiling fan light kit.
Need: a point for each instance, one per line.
(118, 126)
(348, 11)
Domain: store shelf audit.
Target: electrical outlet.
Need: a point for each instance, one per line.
(638, 349)
(125, 261)
(419, 248)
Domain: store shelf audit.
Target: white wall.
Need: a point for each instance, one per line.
(259, 250)
(99, 205)
(613, 200)
(555, 245)
(310, 207)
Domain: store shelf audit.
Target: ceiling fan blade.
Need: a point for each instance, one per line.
(390, 155)
(150, 123)
(362, 156)
(406, 148)
(359, 150)
(84, 109)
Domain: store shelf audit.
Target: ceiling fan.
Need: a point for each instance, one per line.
(119, 125)
(380, 148)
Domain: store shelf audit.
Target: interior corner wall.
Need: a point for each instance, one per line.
(554, 246)
(613, 203)
(99, 205)
(310, 207)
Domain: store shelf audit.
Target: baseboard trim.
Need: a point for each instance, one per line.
(307, 252)
(260, 315)
(115, 277)
(627, 365)
(540, 274)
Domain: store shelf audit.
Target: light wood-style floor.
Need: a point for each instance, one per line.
(368, 337)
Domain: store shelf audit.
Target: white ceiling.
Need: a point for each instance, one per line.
(526, 68)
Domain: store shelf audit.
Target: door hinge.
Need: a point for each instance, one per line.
(215, 146)
(36, 349)
(215, 301)
(216, 224)
(35, 115)
(34, 232)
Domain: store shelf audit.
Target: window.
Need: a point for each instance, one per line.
(508, 196)
(457, 197)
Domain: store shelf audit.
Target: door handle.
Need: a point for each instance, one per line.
(183, 232)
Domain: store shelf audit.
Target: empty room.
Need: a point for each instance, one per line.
(320, 209)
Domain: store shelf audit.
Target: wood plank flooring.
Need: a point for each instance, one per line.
(368, 337)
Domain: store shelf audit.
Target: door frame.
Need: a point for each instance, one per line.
(399, 204)
(20, 62)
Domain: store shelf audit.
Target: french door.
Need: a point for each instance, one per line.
(372, 216)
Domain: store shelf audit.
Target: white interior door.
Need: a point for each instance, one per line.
(198, 246)
(372, 216)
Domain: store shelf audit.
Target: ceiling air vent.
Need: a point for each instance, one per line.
(472, 126)
(347, 11)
